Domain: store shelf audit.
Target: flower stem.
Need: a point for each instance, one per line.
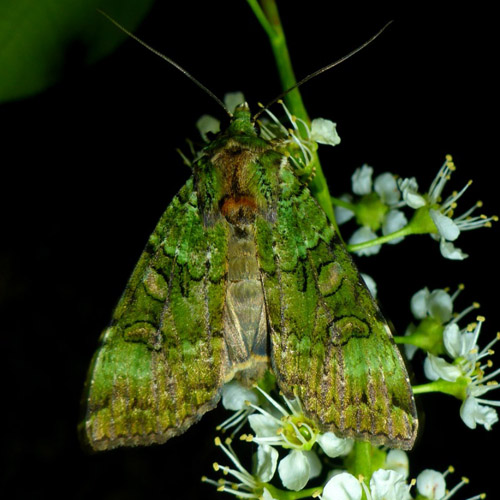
(267, 13)
(456, 389)
(405, 231)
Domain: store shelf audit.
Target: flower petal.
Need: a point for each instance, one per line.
(315, 464)
(445, 225)
(418, 303)
(388, 485)
(342, 214)
(409, 189)
(324, 131)
(334, 446)
(394, 220)
(263, 425)
(294, 470)
(449, 251)
(440, 305)
(453, 342)
(397, 460)
(233, 99)
(473, 413)
(436, 367)
(360, 236)
(386, 187)
(431, 484)
(343, 486)
(235, 395)
(207, 124)
(362, 180)
(266, 462)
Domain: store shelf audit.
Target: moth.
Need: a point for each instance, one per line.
(245, 273)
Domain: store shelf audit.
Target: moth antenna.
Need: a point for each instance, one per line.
(170, 61)
(321, 70)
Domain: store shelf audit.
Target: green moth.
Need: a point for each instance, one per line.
(245, 273)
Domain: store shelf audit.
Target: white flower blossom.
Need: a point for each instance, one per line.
(384, 485)
(441, 211)
(397, 460)
(434, 308)
(245, 484)
(235, 397)
(462, 346)
(431, 484)
(376, 209)
(324, 132)
(289, 428)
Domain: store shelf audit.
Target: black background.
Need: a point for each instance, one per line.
(93, 165)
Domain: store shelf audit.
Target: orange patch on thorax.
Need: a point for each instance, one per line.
(232, 205)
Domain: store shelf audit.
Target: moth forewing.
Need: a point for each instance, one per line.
(244, 272)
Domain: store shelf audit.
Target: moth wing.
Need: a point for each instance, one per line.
(162, 361)
(330, 344)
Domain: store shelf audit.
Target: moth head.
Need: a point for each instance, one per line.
(241, 121)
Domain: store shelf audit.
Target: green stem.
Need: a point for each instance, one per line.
(405, 231)
(362, 464)
(268, 16)
(457, 389)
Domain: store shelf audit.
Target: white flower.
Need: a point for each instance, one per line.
(473, 413)
(290, 429)
(384, 485)
(388, 485)
(441, 212)
(434, 310)
(376, 209)
(409, 190)
(397, 460)
(245, 484)
(462, 346)
(301, 148)
(431, 484)
(324, 132)
(343, 486)
(437, 304)
(236, 397)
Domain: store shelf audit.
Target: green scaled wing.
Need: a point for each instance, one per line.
(330, 344)
(162, 361)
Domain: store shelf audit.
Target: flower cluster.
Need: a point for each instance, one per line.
(283, 425)
(376, 206)
(454, 362)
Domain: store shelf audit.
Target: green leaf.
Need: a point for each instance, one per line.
(41, 40)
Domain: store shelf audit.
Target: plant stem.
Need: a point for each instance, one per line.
(268, 16)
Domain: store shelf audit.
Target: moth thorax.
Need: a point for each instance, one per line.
(245, 323)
